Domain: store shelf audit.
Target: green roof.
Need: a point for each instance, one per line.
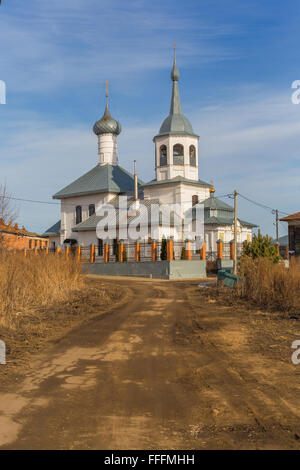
(225, 221)
(283, 241)
(215, 203)
(217, 212)
(54, 230)
(178, 179)
(88, 224)
(92, 221)
(101, 179)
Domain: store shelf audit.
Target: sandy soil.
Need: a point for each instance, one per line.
(173, 367)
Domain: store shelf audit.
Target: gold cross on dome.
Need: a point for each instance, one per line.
(106, 84)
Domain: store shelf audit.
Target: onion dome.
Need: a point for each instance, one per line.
(107, 124)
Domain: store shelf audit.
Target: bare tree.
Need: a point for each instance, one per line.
(8, 210)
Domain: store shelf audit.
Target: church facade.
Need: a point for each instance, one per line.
(176, 182)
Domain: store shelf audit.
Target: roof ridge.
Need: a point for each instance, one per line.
(100, 179)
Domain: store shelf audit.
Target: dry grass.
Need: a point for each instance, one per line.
(271, 285)
(28, 283)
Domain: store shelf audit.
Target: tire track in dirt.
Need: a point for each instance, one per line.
(244, 392)
(158, 371)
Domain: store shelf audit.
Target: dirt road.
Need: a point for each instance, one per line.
(168, 370)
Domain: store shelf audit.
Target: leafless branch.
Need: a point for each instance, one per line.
(8, 209)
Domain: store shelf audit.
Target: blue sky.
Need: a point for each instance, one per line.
(237, 60)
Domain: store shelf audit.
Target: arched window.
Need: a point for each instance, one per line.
(192, 155)
(178, 154)
(195, 199)
(78, 214)
(100, 247)
(91, 209)
(163, 156)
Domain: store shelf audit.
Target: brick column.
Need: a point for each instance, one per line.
(154, 250)
(92, 254)
(220, 249)
(25, 251)
(188, 250)
(106, 252)
(137, 251)
(58, 250)
(47, 250)
(121, 251)
(170, 246)
(203, 251)
(67, 252)
(78, 253)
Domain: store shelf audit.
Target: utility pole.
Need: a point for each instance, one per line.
(136, 193)
(277, 219)
(235, 233)
(277, 234)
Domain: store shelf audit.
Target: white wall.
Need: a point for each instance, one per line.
(107, 149)
(171, 171)
(225, 232)
(54, 239)
(68, 211)
(179, 193)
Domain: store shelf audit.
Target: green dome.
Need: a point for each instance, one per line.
(176, 124)
(107, 124)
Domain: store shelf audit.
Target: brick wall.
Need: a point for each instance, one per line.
(13, 237)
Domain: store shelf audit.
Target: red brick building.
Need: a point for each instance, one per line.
(14, 237)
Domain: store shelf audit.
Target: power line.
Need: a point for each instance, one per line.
(29, 200)
(36, 201)
(263, 206)
(228, 195)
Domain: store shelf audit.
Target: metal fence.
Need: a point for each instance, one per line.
(145, 251)
(179, 252)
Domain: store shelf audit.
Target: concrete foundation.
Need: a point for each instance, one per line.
(181, 269)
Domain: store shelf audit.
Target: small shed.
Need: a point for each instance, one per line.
(293, 221)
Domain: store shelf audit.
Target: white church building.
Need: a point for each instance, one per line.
(176, 181)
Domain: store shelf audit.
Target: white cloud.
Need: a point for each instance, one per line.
(61, 44)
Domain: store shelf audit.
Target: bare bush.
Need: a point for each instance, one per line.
(270, 285)
(29, 282)
(8, 210)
